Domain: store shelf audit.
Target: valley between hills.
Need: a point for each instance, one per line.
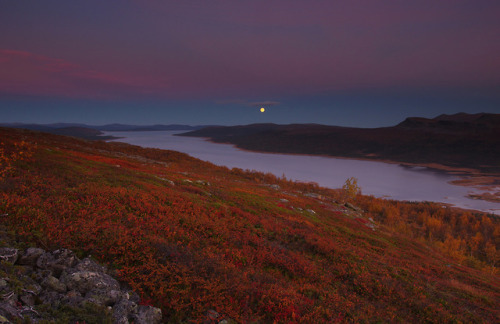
(211, 244)
(467, 145)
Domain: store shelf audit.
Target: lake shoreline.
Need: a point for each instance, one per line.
(469, 177)
(381, 178)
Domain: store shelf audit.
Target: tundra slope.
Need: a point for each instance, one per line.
(204, 241)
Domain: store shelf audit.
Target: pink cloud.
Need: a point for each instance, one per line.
(26, 73)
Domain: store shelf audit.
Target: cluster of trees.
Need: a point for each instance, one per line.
(467, 236)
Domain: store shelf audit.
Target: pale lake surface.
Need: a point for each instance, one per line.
(375, 178)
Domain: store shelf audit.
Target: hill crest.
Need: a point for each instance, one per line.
(456, 141)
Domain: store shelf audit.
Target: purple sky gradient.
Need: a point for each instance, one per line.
(361, 63)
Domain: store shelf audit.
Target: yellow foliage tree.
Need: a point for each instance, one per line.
(350, 189)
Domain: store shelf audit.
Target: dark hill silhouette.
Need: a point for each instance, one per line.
(461, 140)
(90, 132)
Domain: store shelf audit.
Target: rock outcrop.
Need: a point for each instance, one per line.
(36, 286)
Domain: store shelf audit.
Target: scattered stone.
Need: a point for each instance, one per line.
(313, 195)
(170, 182)
(88, 264)
(212, 314)
(53, 283)
(59, 280)
(30, 256)
(122, 309)
(85, 281)
(51, 298)
(56, 261)
(8, 254)
(74, 295)
(351, 206)
(147, 315)
(27, 299)
(9, 312)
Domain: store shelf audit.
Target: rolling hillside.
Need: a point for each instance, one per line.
(206, 243)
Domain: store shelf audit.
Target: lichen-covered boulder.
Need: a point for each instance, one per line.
(85, 281)
(57, 261)
(9, 254)
(147, 315)
(55, 284)
(122, 311)
(88, 264)
(30, 256)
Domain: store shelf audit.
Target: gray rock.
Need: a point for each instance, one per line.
(313, 195)
(85, 281)
(9, 254)
(54, 284)
(351, 206)
(45, 260)
(88, 264)
(59, 278)
(133, 296)
(57, 261)
(30, 256)
(30, 312)
(31, 287)
(104, 297)
(40, 274)
(73, 298)
(8, 296)
(122, 311)
(28, 299)
(147, 315)
(51, 297)
(9, 311)
(212, 315)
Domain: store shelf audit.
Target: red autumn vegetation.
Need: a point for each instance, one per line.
(190, 236)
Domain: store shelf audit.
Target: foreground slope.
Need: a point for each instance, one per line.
(192, 237)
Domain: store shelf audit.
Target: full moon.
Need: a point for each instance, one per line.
(262, 109)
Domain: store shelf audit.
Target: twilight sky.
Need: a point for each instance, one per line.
(354, 63)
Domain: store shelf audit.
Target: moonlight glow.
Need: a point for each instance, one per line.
(262, 109)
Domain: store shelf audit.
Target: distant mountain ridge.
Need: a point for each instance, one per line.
(455, 122)
(460, 140)
(107, 127)
(96, 132)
